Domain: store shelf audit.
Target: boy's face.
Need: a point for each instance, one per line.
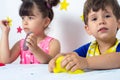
(102, 24)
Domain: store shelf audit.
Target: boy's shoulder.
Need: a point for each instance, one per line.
(118, 47)
(82, 50)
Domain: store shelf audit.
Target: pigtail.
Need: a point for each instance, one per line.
(51, 3)
(23, 0)
(27, 0)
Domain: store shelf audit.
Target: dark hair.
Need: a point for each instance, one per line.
(44, 6)
(96, 5)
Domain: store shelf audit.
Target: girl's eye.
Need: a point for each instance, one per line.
(22, 17)
(30, 17)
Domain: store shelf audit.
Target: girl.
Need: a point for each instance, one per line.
(36, 16)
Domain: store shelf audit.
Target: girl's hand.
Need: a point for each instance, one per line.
(4, 26)
(52, 64)
(32, 42)
(72, 62)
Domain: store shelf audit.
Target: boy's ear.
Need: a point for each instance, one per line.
(88, 30)
(119, 23)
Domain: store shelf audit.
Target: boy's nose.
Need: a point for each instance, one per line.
(101, 21)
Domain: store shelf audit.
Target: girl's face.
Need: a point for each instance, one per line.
(35, 23)
(102, 24)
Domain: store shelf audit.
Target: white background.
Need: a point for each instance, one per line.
(66, 26)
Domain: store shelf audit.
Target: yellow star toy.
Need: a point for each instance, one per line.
(64, 5)
(59, 69)
(82, 18)
(9, 20)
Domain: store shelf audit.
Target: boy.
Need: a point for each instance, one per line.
(102, 20)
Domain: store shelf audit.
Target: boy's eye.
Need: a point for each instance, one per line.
(94, 19)
(107, 16)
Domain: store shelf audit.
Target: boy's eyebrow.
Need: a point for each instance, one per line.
(91, 14)
(106, 10)
(94, 12)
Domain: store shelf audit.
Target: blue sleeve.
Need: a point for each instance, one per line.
(82, 51)
(118, 48)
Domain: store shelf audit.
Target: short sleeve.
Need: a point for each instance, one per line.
(118, 48)
(82, 51)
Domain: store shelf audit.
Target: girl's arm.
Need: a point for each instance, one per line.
(54, 49)
(4, 45)
(6, 55)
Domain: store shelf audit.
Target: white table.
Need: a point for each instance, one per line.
(40, 72)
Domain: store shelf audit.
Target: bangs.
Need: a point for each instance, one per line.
(97, 5)
(26, 9)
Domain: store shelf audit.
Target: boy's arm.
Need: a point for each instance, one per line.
(72, 61)
(106, 61)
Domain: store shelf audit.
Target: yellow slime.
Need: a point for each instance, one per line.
(59, 69)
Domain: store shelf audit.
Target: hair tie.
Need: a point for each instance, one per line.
(48, 5)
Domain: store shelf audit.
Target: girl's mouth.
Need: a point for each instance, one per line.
(26, 30)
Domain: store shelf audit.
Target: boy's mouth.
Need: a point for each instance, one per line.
(103, 29)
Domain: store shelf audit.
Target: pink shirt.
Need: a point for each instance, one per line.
(27, 57)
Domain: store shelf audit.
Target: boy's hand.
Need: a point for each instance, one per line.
(52, 64)
(72, 62)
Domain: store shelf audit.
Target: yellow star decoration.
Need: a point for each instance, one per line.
(82, 18)
(9, 20)
(64, 5)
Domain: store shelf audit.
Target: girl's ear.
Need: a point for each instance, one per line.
(88, 30)
(47, 22)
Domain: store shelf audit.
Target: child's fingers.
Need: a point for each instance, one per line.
(32, 39)
(5, 23)
(61, 54)
(29, 41)
(4, 26)
(50, 69)
(2, 23)
(66, 60)
(51, 65)
(70, 65)
(75, 67)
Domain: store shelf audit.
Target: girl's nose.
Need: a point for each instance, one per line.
(25, 22)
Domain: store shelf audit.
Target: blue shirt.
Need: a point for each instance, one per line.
(82, 51)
